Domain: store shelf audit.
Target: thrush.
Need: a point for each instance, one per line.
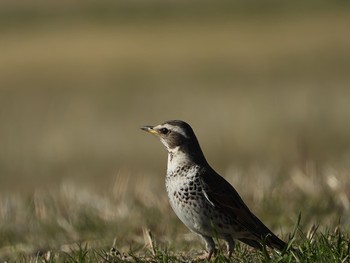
(203, 200)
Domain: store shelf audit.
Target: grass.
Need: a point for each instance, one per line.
(265, 88)
(313, 246)
(76, 224)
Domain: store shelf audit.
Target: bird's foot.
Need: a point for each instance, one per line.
(207, 255)
(202, 257)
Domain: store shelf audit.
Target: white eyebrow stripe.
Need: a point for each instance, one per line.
(176, 129)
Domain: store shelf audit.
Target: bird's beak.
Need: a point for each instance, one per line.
(149, 129)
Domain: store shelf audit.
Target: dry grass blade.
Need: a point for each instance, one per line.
(147, 235)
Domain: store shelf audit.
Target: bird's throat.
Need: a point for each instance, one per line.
(176, 158)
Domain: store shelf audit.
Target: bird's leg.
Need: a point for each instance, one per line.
(210, 246)
(230, 245)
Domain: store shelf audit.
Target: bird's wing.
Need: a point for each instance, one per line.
(223, 196)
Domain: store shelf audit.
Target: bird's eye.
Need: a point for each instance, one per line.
(164, 131)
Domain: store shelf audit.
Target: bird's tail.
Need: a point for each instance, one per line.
(270, 240)
(273, 241)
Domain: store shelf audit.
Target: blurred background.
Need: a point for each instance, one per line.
(265, 86)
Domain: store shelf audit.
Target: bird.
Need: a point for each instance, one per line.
(202, 199)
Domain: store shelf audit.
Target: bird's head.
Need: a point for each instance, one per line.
(177, 135)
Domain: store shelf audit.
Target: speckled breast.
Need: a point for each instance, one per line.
(187, 199)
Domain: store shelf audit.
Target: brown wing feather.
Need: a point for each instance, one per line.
(225, 197)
